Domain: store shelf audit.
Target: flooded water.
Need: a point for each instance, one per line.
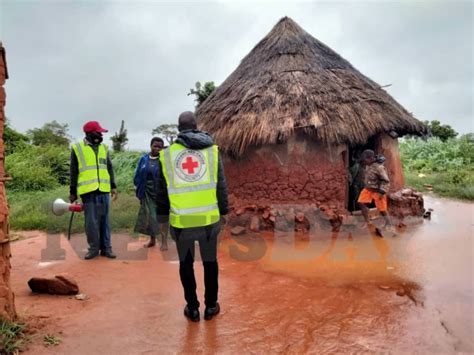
(320, 292)
(351, 292)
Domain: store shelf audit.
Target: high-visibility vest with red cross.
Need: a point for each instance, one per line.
(191, 179)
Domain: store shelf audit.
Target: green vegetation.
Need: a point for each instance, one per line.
(442, 131)
(31, 194)
(32, 210)
(12, 337)
(41, 174)
(36, 168)
(119, 139)
(202, 92)
(51, 340)
(52, 133)
(125, 164)
(13, 139)
(446, 167)
(168, 131)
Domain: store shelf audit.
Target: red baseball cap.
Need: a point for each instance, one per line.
(93, 126)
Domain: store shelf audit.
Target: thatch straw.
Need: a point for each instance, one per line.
(291, 81)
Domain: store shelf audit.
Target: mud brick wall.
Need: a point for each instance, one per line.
(388, 146)
(406, 202)
(7, 306)
(300, 172)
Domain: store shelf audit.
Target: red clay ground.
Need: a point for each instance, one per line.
(320, 294)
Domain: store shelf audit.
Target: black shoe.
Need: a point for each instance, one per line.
(91, 255)
(192, 314)
(210, 312)
(109, 254)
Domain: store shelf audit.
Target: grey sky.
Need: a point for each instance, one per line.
(74, 61)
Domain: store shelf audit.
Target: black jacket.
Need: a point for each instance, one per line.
(192, 139)
(74, 171)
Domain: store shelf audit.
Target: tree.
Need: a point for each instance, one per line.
(468, 137)
(52, 133)
(119, 139)
(13, 139)
(202, 92)
(443, 132)
(168, 131)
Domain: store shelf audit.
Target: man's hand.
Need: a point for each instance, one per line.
(114, 194)
(72, 198)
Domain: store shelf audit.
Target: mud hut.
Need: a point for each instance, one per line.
(7, 306)
(291, 117)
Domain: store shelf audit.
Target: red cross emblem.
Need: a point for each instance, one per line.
(190, 165)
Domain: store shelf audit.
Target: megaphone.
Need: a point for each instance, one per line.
(60, 207)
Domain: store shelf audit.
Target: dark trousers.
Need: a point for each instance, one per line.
(207, 239)
(96, 217)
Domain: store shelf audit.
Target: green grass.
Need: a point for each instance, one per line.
(32, 210)
(125, 164)
(12, 337)
(34, 188)
(51, 340)
(447, 166)
(442, 185)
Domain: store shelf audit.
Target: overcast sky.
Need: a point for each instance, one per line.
(74, 61)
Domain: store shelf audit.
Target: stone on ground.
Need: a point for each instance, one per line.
(59, 285)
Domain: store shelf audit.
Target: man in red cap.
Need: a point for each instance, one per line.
(92, 179)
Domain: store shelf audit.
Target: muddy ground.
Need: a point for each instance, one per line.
(322, 292)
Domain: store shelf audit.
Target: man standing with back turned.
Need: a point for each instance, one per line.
(92, 178)
(192, 192)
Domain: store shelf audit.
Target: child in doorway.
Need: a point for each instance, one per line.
(376, 187)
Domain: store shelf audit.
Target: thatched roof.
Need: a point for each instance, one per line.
(292, 81)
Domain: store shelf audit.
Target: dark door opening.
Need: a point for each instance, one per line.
(356, 171)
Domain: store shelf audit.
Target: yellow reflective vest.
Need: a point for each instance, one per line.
(191, 179)
(93, 173)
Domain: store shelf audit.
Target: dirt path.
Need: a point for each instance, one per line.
(319, 294)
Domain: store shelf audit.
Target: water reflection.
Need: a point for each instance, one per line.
(349, 291)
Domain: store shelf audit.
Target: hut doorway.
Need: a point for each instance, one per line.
(355, 171)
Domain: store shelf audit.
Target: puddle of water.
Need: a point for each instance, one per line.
(341, 293)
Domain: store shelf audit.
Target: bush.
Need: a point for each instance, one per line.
(41, 174)
(433, 154)
(29, 174)
(13, 139)
(58, 159)
(124, 164)
(37, 168)
(12, 337)
(448, 166)
(47, 167)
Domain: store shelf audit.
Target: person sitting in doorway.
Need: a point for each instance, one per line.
(377, 184)
(356, 180)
